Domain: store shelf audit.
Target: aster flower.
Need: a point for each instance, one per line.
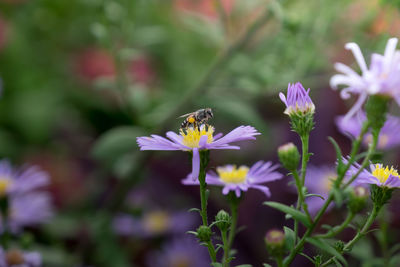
(389, 134)
(194, 140)
(154, 223)
(31, 209)
(13, 182)
(27, 206)
(297, 100)
(378, 174)
(18, 258)
(382, 77)
(241, 179)
(319, 181)
(180, 252)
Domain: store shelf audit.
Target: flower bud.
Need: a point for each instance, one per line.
(223, 220)
(358, 199)
(204, 233)
(275, 242)
(289, 156)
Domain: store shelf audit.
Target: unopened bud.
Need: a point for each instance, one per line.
(223, 220)
(289, 156)
(358, 199)
(204, 233)
(275, 242)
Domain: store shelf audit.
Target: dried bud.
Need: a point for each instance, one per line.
(204, 233)
(223, 220)
(289, 156)
(275, 242)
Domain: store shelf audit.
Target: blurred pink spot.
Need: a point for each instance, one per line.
(207, 8)
(95, 63)
(141, 71)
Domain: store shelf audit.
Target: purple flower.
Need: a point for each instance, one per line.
(27, 206)
(180, 252)
(297, 100)
(378, 174)
(242, 178)
(153, 223)
(13, 182)
(319, 181)
(30, 209)
(197, 139)
(388, 137)
(382, 77)
(18, 258)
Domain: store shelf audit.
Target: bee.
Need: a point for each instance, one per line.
(196, 118)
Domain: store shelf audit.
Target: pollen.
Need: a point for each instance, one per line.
(191, 120)
(382, 174)
(191, 136)
(4, 185)
(233, 175)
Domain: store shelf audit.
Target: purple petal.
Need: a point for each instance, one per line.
(392, 181)
(195, 164)
(156, 142)
(238, 134)
(262, 188)
(203, 141)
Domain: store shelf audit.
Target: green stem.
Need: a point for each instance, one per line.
(225, 242)
(356, 146)
(302, 241)
(279, 261)
(223, 16)
(300, 202)
(204, 158)
(360, 234)
(304, 157)
(337, 229)
(234, 205)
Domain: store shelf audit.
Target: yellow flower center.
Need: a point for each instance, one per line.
(232, 174)
(4, 185)
(191, 136)
(382, 174)
(156, 222)
(328, 181)
(181, 261)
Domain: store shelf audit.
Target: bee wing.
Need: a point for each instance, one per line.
(187, 115)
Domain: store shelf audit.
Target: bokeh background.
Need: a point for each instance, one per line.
(81, 79)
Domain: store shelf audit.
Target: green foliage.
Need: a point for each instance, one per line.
(301, 217)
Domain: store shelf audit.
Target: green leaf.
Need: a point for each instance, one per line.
(194, 209)
(290, 238)
(301, 217)
(307, 257)
(116, 142)
(216, 264)
(266, 265)
(314, 195)
(244, 265)
(325, 246)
